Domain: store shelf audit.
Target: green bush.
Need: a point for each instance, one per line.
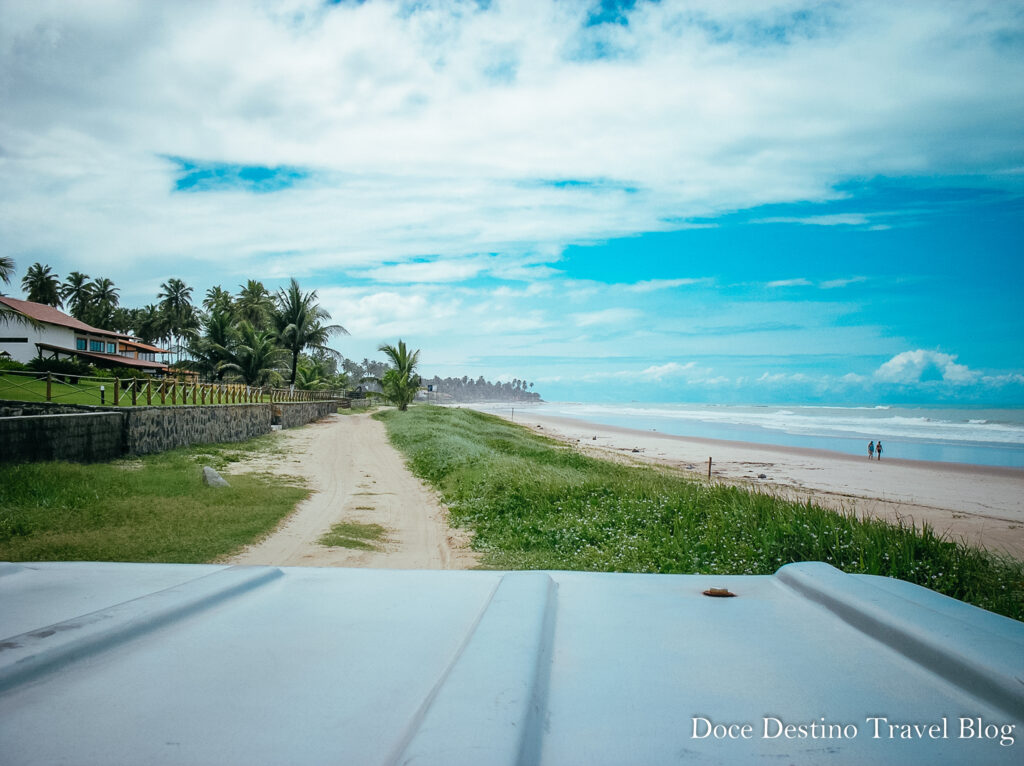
(60, 366)
(122, 373)
(12, 366)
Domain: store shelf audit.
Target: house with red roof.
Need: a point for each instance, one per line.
(53, 334)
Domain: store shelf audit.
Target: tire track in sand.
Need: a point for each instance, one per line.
(356, 475)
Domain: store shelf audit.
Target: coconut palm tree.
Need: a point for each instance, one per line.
(219, 299)
(298, 321)
(6, 269)
(400, 383)
(179, 313)
(213, 348)
(41, 285)
(122, 320)
(103, 299)
(254, 304)
(76, 292)
(149, 324)
(255, 356)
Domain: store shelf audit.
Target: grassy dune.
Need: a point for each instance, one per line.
(536, 504)
(154, 508)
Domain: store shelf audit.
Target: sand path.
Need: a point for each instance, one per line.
(356, 476)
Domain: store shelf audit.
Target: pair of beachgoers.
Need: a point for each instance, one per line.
(873, 448)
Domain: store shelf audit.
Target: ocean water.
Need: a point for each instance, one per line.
(977, 436)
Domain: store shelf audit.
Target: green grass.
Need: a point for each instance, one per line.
(154, 508)
(352, 534)
(535, 504)
(25, 388)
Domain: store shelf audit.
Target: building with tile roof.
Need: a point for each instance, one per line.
(51, 333)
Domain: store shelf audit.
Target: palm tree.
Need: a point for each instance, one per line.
(122, 320)
(149, 325)
(41, 285)
(211, 350)
(6, 269)
(299, 323)
(179, 313)
(400, 383)
(254, 304)
(310, 375)
(218, 299)
(255, 356)
(103, 300)
(76, 292)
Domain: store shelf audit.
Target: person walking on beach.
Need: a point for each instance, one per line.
(878, 449)
(871, 450)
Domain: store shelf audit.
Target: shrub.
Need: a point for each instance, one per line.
(122, 373)
(60, 366)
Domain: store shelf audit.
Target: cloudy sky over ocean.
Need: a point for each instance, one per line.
(692, 201)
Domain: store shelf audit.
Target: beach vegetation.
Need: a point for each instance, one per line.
(299, 323)
(400, 382)
(533, 503)
(154, 508)
(41, 285)
(353, 534)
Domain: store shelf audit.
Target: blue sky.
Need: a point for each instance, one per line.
(681, 201)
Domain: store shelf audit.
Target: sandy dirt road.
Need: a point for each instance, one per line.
(356, 476)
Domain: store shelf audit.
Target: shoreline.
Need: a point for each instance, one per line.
(981, 505)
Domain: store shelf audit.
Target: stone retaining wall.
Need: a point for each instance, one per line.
(292, 414)
(155, 429)
(79, 437)
(31, 431)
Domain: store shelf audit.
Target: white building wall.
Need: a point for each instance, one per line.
(24, 352)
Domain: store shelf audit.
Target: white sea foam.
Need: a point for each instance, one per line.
(940, 426)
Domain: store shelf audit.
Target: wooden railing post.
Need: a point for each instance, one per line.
(134, 383)
(117, 392)
(49, 386)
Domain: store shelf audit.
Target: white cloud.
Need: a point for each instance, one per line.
(669, 370)
(832, 284)
(841, 219)
(922, 366)
(454, 270)
(650, 285)
(790, 283)
(622, 317)
(430, 129)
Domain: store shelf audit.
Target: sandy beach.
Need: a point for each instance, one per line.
(982, 505)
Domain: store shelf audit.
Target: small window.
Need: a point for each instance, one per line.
(13, 340)
(111, 348)
(80, 344)
(96, 345)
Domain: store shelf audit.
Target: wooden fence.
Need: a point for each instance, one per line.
(84, 389)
